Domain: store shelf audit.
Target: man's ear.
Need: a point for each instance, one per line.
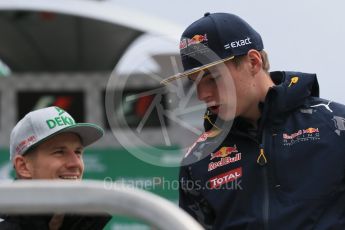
(23, 167)
(255, 61)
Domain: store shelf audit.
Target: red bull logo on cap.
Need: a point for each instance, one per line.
(196, 39)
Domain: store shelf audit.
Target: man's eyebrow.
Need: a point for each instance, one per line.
(64, 147)
(58, 147)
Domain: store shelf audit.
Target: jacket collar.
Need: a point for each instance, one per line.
(290, 92)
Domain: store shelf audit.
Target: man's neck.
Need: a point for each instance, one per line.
(264, 83)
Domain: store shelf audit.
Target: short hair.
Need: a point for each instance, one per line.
(29, 153)
(237, 60)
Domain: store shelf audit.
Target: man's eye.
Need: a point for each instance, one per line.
(58, 152)
(212, 78)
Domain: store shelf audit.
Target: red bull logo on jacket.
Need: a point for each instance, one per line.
(224, 161)
(311, 130)
(223, 152)
(301, 135)
(224, 155)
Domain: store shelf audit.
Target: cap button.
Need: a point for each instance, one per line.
(206, 14)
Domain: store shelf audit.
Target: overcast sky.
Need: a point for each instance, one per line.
(299, 35)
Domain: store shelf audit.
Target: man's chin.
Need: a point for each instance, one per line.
(226, 116)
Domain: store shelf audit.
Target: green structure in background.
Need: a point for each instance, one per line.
(116, 165)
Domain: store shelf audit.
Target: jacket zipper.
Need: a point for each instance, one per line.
(266, 202)
(262, 160)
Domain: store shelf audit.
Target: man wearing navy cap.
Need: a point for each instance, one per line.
(273, 152)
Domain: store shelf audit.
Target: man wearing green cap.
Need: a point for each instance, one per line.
(48, 144)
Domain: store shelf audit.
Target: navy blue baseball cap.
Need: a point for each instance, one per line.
(213, 39)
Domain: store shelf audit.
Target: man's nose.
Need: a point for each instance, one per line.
(204, 92)
(74, 160)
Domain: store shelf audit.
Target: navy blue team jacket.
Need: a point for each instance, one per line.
(287, 174)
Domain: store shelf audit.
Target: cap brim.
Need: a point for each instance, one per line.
(193, 71)
(89, 133)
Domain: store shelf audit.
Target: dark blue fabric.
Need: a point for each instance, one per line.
(302, 185)
(217, 36)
